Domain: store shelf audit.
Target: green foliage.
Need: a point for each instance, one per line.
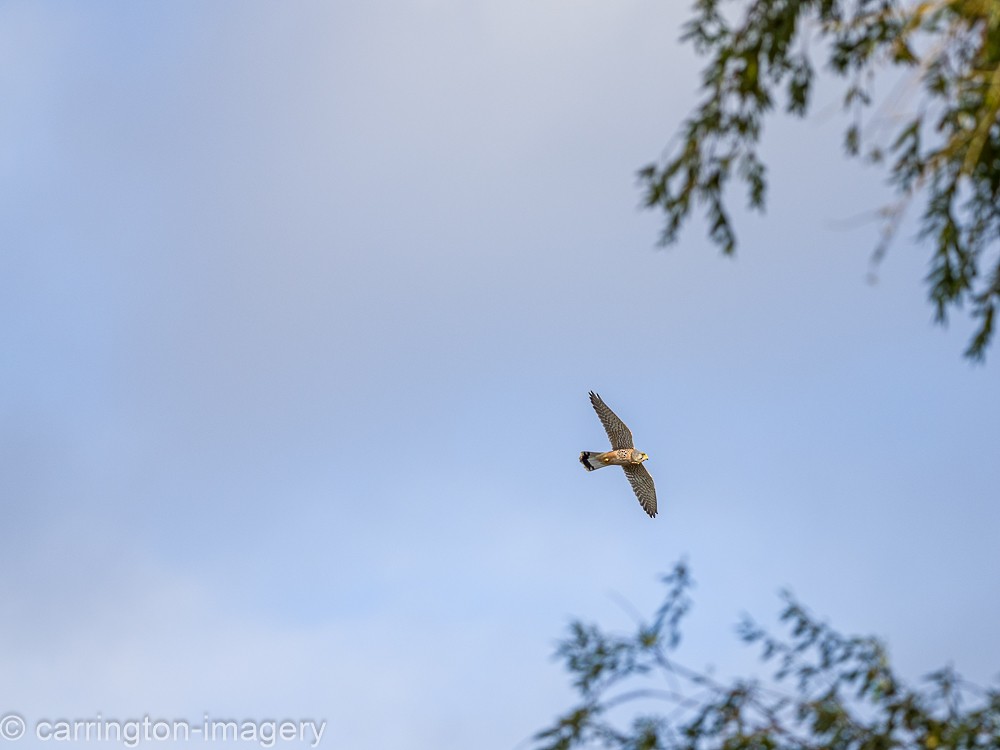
(829, 692)
(945, 150)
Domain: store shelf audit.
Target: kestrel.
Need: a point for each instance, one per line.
(623, 454)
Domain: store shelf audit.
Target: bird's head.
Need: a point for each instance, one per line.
(643, 457)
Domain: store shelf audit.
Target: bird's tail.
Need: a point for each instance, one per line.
(590, 463)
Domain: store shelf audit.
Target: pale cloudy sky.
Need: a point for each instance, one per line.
(287, 293)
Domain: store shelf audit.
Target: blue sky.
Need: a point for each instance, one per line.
(300, 307)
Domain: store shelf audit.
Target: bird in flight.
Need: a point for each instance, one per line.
(623, 454)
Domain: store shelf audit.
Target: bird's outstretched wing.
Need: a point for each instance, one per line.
(642, 485)
(619, 435)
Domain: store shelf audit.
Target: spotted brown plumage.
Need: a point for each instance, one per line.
(619, 435)
(623, 454)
